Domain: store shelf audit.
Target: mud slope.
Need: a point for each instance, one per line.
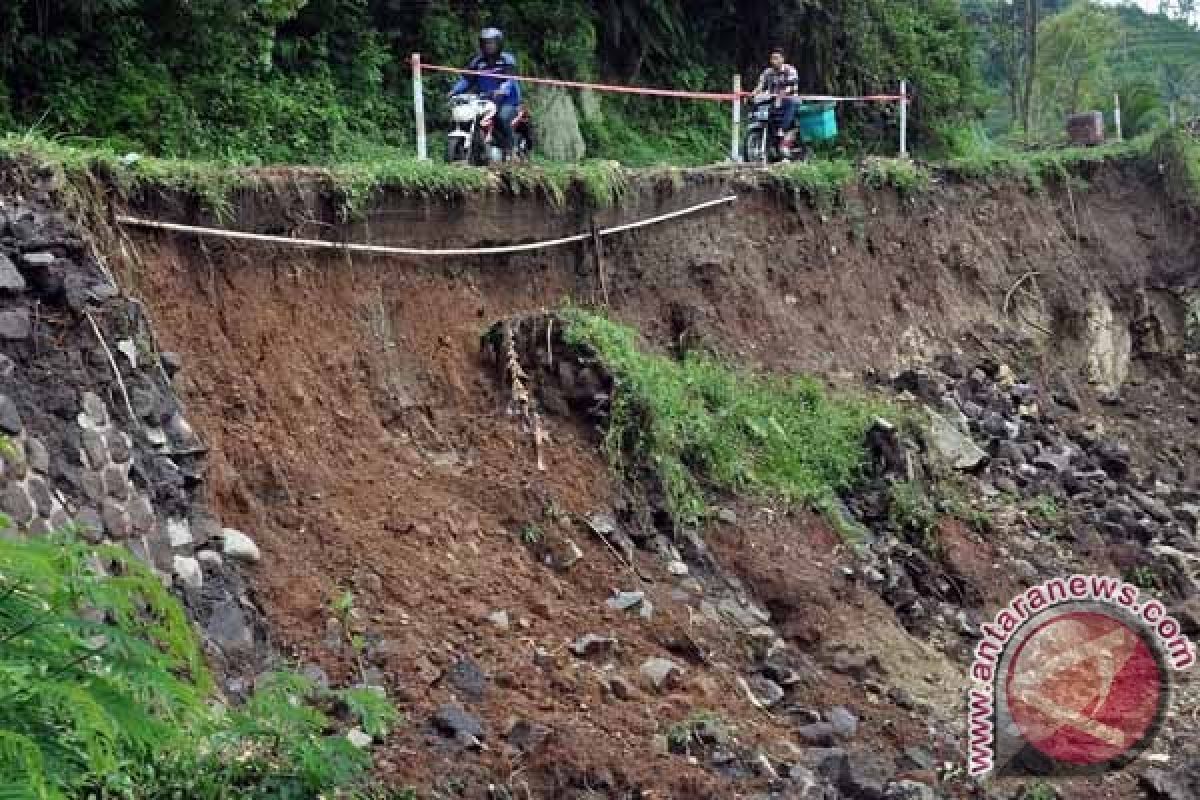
(355, 431)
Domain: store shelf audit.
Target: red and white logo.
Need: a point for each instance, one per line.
(1072, 675)
(1084, 688)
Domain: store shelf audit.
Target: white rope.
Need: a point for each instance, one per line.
(413, 251)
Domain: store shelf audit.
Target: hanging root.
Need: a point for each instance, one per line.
(515, 374)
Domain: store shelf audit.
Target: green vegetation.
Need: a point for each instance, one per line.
(907, 177)
(1043, 60)
(698, 424)
(1045, 508)
(596, 183)
(822, 182)
(913, 512)
(106, 694)
(1038, 167)
(326, 81)
(1178, 156)
(1143, 577)
(532, 534)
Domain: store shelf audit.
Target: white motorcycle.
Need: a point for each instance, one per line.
(471, 141)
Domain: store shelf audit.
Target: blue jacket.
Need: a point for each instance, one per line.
(501, 66)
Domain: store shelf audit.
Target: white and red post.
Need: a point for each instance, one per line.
(419, 108)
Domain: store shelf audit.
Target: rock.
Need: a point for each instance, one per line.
(660, 674)
(591, 645)
(844, 722)
(314, 673)
(179, 533)
(210, 560)
(15, 325)
(17, 504)
(559, 137)
(39, 493)
(239, 546)
(95, 411)
(623, 601)
(561, 552)
(621, 688)
(171, 363)
(37, 455)
(10, 279)
(951, 364)
(180, 433)
(865, 776)
(919, 757)
(38, 261)
(453, 721)
(359, 738)
(996, 425)
(229, 629)
(1057, 461)
(677, 568)
(10, 417)
(951, 446)
(909, 790)
(527, 736)
(816, 733)
(499, 619)
(728, 516)
(1113, 458)
(468, 678)
(116, 520)
(7, 366)
(1152, 506)
(90, 524)
(853, 664)
(1182, 783)
(187, 571)
(1188, 615)
(829, 763)
(146, 404)
(128, 349)
(763, 692)
(141, 514)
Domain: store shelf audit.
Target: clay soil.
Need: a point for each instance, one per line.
(357, 435)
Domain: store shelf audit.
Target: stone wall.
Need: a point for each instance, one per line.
(94, 437)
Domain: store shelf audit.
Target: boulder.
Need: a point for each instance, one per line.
(15, 325)
(239, 546)
(188, 572)
(660, 674)
(953, 447)
(10, 279)
(557, 124)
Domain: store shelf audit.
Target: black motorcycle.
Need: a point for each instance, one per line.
(763, 142)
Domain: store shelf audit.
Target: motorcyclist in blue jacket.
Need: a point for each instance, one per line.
(503, 90)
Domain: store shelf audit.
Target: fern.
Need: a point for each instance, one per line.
(103, 693)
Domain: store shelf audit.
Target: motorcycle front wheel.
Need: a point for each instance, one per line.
(753, 147)
(456, 150)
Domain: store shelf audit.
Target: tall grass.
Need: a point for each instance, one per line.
(598, 183)
(698, 424)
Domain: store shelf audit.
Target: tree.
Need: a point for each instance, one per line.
(1073, 70)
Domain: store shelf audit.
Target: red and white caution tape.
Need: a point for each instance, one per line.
(724, 97)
